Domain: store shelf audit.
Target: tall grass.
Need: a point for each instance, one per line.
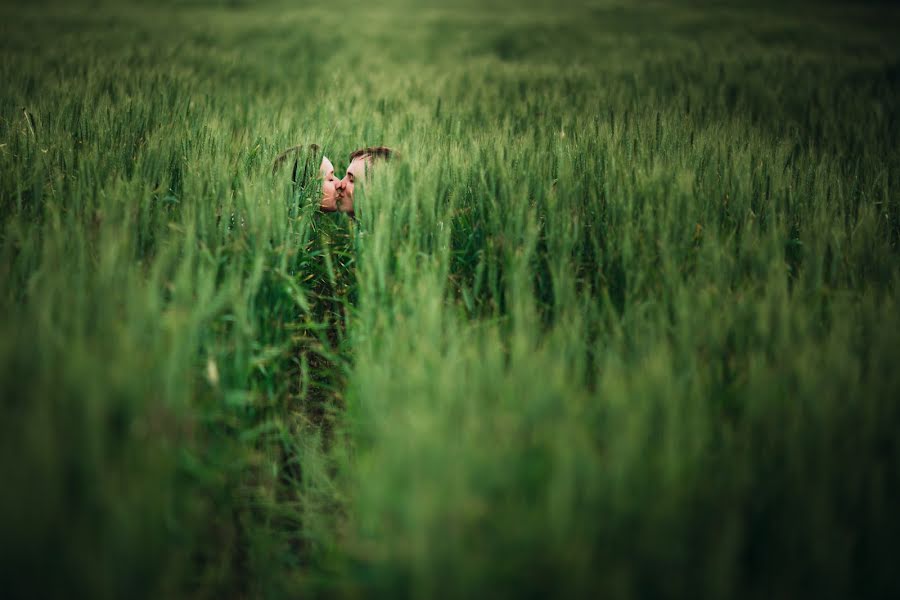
(622, 321)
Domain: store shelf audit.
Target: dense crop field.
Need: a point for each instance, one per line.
(622, 321)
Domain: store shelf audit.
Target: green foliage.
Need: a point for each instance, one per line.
(622, 320)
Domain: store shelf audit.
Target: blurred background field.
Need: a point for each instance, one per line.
(622, 322)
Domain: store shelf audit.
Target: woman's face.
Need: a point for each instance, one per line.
(329, 195)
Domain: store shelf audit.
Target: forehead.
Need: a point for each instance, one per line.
(358, 166)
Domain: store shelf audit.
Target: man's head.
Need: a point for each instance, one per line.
(361, 162)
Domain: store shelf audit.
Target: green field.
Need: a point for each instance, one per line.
(623, 321)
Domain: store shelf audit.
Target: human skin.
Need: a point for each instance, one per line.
(329, 195)
(343, 189)
(337, 195)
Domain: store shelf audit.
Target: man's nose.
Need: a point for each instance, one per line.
(339, 184)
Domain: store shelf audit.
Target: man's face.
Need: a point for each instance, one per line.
(356, 172)
(329, 196)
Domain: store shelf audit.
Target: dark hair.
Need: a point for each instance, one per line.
(374, 152)
(308, 153)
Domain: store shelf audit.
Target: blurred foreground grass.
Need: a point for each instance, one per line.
(622, 321)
